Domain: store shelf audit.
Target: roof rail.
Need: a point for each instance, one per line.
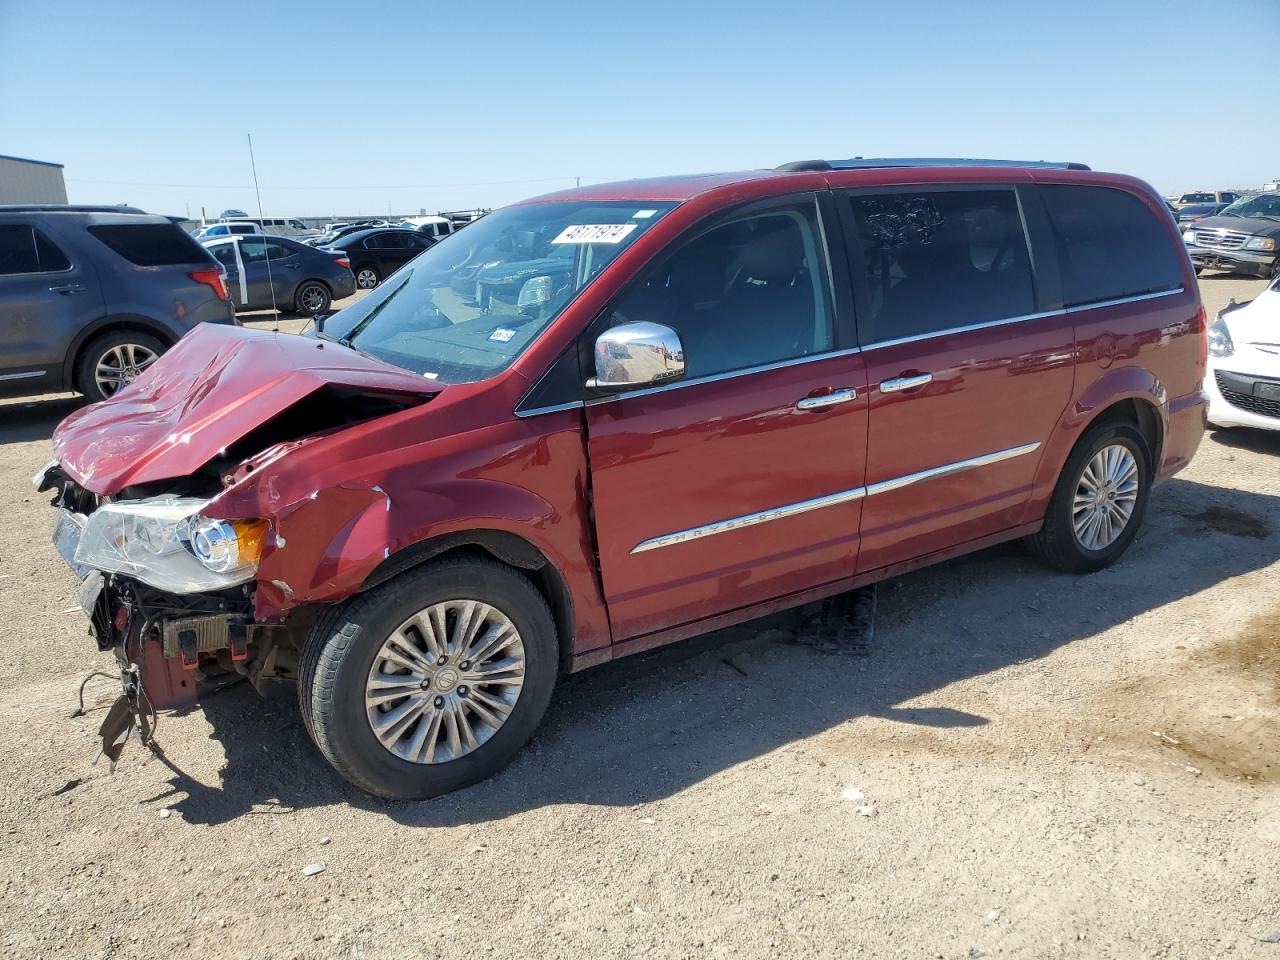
(861, 163)
(64, 208)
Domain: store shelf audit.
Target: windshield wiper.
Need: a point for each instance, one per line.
(360, 327)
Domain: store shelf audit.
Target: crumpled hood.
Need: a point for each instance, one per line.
(217, 384)
(1257, 323)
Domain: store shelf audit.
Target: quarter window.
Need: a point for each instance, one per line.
(934, 260)
(1111, 245)
(744, 294)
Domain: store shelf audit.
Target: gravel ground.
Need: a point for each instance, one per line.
(1027, 764)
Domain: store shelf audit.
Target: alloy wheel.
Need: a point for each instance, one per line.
(313, 298)
(445, 681)
(366, 278)
(121, 365)
(1105, 497)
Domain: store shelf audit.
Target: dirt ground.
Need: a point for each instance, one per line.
(1057, 767)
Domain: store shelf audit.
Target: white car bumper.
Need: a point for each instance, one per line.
(1241, 397)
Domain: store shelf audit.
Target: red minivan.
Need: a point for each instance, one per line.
(610, 418)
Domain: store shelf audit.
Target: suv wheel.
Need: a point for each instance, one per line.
(431, 681)
(311, 297)
(366, 277)
(1099, 501)
(113, 361)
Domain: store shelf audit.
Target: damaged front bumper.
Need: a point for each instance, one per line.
(163, 639)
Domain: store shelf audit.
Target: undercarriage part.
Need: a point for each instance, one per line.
(167, 683)
(189, 636)
(844, 624)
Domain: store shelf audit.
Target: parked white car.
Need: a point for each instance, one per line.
(1243, 379)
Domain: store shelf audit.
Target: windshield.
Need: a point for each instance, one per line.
(468, 306)
(1263, 205)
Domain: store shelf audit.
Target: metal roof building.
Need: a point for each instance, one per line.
(31, 181)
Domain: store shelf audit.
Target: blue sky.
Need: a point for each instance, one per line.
(357, 105)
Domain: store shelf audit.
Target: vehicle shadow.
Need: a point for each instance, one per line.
(27, 420)
(1243, 438)
(644, 728)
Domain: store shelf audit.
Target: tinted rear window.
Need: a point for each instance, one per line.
(150, 244)
(936, 260)
(1112, 245)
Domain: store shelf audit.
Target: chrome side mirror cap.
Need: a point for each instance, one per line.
(640, 354)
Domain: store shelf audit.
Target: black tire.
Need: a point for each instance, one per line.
(317, 292)
(103, 350)
(1056, 544)
(363, 273)
(341, 649)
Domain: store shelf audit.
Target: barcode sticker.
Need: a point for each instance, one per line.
(595, 233)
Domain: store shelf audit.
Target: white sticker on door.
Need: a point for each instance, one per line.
(595, 233)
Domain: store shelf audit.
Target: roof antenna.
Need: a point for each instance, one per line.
(262, 223)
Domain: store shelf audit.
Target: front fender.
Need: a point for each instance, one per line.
(520, 478)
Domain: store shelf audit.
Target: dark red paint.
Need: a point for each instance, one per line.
(585, 486)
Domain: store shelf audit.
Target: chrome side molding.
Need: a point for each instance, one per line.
(832, 499)
(750, 519)
(947, 469)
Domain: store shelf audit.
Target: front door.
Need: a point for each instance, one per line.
(741, 483)
(970, 368)
(48, 299)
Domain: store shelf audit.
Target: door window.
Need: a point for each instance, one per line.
(254, 250)
(224, 253)
(1111, 244)
(930, 261)
(24, 249)
(743, 294)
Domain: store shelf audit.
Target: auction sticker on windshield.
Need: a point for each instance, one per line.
(595, 233)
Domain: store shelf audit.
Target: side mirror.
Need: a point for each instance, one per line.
(634, 355)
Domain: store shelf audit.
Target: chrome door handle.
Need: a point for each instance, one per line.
(827, 400)
(65, 288)
(898, 384)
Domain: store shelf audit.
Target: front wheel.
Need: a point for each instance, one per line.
(431, 681)
(113, 361)
(1099, 501)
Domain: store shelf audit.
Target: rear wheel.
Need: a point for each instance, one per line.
(113, 361)
(432, 681)
(311, 297)
(1099, 501)
(366, 276)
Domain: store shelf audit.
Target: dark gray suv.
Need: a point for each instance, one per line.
(90, 296)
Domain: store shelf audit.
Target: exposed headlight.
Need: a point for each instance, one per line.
(227, 546)
(1259, 243)
(1220, 344)
(1188, 235)
(164, 542)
